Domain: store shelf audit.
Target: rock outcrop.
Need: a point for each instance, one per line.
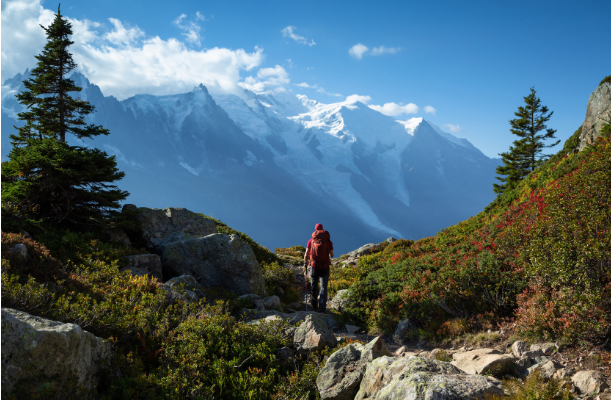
(36, 349)
(483, 361)
(144, 264)
(313, 334)
(216, 260)
(189, 244)
(170, 225)
(341, 376)
(598, 113)
(589, 382)
(419, 378)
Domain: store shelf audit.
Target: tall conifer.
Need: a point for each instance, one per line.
(45, 178)
(526, 153)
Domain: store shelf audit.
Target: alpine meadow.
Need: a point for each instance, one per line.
(441, 272)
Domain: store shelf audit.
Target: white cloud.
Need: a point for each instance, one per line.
(355, 97)
(119, 35)
(191, 28)
(378, 51)
(430, 110)
(317, 88)
(123, 60)
(22, 37)
(267, 78)
(393, 109)
(453, 128)
(358, 50)
(289, 32)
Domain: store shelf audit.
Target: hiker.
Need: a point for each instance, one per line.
(319, 251)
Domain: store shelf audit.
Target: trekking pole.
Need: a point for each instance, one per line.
(305, 274)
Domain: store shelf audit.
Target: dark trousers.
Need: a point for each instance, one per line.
(319, 295)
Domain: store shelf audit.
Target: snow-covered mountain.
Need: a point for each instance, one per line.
(274, 164)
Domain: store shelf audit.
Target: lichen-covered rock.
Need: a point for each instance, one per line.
(170, 225)
(404, 326)
(217, 260)
(544, 348)
(589, 382)
(339, 300)
(341, 376)
(419, 378)
(481, 361)
(38, 349)
(272, 303)
(363, 250)
(313, 334)
(144, 264)
(183, 282)
(518, 348)
(598, 113)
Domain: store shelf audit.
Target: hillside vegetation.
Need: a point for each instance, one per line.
(539, 256)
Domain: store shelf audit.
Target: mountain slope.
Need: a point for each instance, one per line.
(275, 163)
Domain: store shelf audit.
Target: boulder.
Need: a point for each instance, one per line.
(183, 282)
(598, 113)
(272, 303)
(174, 294)
(420, 378)
(284, 354)
(544, 348)
(363, 250)
(313, 334)
(36, 349)
(254, 300)
(170, 225)
(563, 373)
(21, 250)
(589, 382)
(341, 376)
(217, 260)
(144, 264)
(118, 236)
(518, 348)
(402, 330)
(351, 329)
(339, 300)
(481, 361)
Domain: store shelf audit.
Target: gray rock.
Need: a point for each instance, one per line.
(272, 303)
(402, 330)
(21, 250)
(481, 361)
(352, 329)
(545, 365)
(544, 348)
(217, 260)
(313, 334)
(35, 348)
(523, 364)
(563, 373)
(118, 236)
(171, 224)
(174, 294)
(183, 282)
(532, 354)
(332, 323)
(341, 376)
(390, 240)
(144, 264)
(363, 250)
(598, 113)
(518, 348)
(339, 300)
(419, 378)
(589, 382)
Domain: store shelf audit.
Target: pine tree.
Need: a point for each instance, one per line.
(526, 153)
(45, 178)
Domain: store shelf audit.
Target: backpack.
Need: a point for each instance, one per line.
(319, 252)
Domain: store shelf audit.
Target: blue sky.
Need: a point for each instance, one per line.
(470, 62)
